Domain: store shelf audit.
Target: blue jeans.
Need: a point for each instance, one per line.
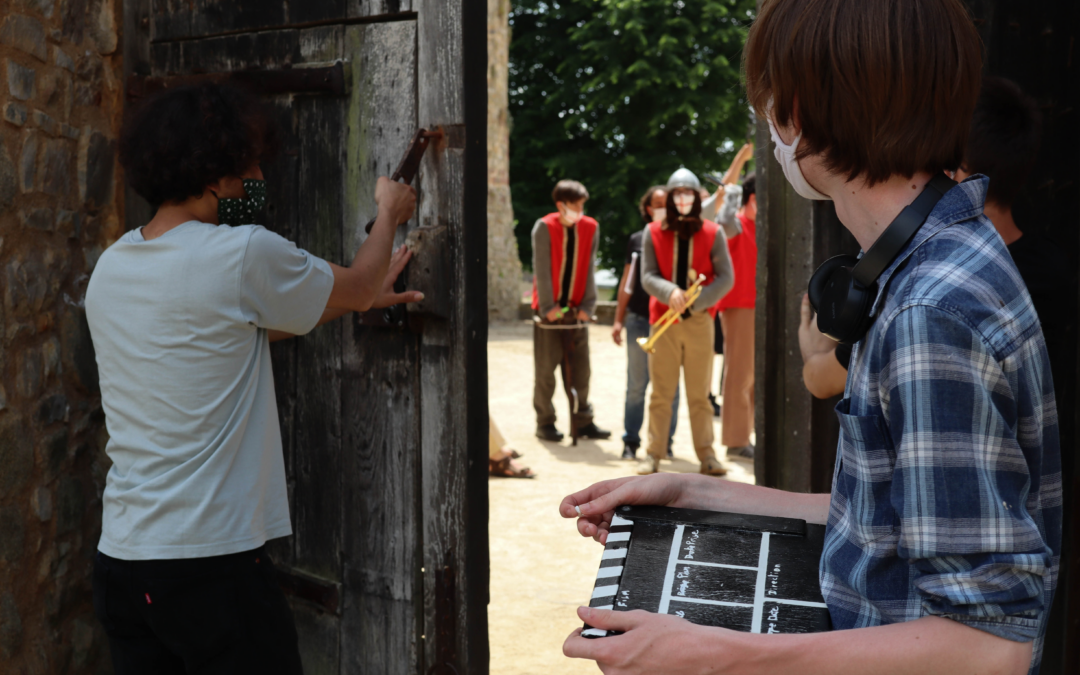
(637, 379)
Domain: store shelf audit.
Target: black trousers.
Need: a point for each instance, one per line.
(224, 614)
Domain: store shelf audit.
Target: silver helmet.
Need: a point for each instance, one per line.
(684, 178)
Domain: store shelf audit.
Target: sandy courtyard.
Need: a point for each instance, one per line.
(541, 570)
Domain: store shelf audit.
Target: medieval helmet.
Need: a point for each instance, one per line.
(684, 178)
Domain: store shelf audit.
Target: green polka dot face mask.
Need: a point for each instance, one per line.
(243, 211)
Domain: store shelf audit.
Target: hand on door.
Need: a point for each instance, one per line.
(387, 296)
(396, 199)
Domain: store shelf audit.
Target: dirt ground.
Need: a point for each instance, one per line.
(541, 570)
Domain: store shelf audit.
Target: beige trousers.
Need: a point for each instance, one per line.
(496, 442)
(686, 346)
(737, 417)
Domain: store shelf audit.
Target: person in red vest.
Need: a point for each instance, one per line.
(674, 253)
(737, 323)
(564, 283)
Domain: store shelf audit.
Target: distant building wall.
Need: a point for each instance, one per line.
(60, 99)
(504, 266)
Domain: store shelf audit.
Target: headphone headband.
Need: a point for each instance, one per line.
(900, 231)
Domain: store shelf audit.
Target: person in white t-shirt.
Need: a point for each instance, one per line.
(182, 312)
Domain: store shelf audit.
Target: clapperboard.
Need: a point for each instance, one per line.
(750, 573)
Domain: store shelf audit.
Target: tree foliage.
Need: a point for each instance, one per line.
(618, 94)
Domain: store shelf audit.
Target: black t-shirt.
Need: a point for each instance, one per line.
(1045, 272)
(639, 299)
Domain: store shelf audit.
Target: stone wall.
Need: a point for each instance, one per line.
(60, 99)
(504, 266)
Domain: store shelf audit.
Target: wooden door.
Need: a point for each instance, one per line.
(384, 427)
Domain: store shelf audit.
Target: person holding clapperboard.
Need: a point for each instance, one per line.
(943, 526)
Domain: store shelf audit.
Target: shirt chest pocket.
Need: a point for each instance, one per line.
(864, 474)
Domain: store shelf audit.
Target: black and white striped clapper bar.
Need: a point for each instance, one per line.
(749, 573)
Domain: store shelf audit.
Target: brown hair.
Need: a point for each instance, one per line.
(646, 199)
(569, 191)
(880, 87)
(688, 225)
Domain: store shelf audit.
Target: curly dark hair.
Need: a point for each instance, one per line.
(178, 141)
(646, 200)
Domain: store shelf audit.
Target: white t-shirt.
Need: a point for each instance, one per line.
(179, 325)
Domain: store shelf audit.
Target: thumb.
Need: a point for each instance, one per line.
(608, 619)
(805, 310)
(407, 296)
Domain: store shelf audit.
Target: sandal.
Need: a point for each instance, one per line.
(502, 468)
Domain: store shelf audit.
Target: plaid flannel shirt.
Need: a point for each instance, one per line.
(946, 498)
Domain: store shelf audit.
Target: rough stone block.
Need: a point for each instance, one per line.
(68, 223)
(50, 351)
(21, 81)
(61, 59)
(77, 349)
(53, 409)
(43, 7)
(25, 288)
(52, 451)
(11, 533)
(9, 180)
(70, 504)
(87, 95)
(3, 398)
(95, 170)
(56, 160)
(45, 123)
(15, 113)
(25, 34)
(68, 131)
(28, 378)
(41, 504)
(28, 162)
(82, 643)
(10, 626)
(16, 456)
(103, 27)
(37, 219)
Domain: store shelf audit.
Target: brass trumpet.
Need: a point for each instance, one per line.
(670, 317)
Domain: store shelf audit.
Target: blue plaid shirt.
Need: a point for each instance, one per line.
(946, 499)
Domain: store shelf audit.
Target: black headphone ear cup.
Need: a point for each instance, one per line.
(820, 279)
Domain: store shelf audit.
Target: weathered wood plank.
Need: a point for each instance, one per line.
(317, 520)
(453, 370)
(785, 257)
(380, 628)
(282, 218)
(380, 625)
(381, 118)
(136, 47)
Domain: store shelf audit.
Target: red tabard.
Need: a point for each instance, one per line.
(663, 242)
(743, 249)
(585, 230)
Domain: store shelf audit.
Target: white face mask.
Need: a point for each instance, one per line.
(572, 216)
(785, 155)
(659, 214)
(684, 204)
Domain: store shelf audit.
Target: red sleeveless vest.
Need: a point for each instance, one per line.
(701, 244)
(585, 230)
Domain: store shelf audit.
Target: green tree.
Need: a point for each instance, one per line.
(618, 94)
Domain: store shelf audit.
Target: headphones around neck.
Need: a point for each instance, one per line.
(842, 291)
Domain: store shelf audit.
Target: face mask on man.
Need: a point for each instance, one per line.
(243, 210)
(785, 155)
(573, 216)
(684, 204)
